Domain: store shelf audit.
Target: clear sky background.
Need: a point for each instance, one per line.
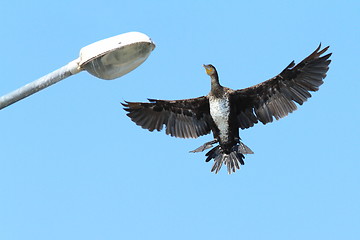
(73, 166)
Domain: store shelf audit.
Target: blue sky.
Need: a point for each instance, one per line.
(73, 166)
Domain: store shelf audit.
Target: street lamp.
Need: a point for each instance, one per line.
(106, 59)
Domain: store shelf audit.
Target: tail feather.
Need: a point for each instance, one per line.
(232, 160)
(212, 153)
(217, 164)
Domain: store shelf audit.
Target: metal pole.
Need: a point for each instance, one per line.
(39, 84)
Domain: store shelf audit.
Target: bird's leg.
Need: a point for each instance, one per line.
(205, 146)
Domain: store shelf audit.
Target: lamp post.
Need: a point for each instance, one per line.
(106, 59)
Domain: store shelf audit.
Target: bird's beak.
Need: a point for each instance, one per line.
(208, 69)
(206, 66)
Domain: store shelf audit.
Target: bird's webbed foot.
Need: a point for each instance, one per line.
(205, 146)
(242, 148)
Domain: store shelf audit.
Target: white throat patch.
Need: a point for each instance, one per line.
(220, 111)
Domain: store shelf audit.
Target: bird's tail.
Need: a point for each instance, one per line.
(232, 160)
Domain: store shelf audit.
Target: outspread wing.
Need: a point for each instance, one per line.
(188, 118)
(276, 97)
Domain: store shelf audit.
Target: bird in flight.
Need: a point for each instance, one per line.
(224, 111)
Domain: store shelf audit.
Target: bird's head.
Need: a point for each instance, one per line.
(210, 69)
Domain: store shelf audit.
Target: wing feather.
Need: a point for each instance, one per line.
(188, 118)
(276, 97)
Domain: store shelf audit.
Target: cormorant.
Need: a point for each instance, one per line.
(223, 111)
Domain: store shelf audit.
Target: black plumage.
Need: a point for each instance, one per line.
(223, 111)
